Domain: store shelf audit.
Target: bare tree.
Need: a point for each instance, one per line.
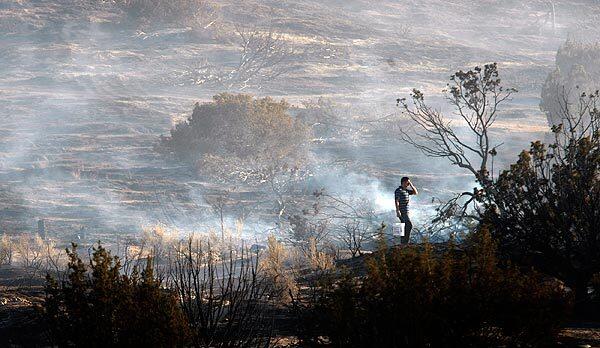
(226, 301)
(285, 185)
(576, 120)
(334, 222)
(198, 14)
(476, 96)
(29, 252)
(55, 259)
(354, 234)
(264, 55)
(219, 204)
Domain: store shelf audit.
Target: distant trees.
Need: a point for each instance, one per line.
(576, 72)
(238, 136)
(198, 14)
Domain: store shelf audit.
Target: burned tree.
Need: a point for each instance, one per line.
(338, 223)
(476, 96)
(354, 235)
(199, 14)
(262, 55)
(225, 298)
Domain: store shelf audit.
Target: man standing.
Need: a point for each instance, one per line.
(402, 198)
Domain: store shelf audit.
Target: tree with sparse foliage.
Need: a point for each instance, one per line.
(476, 96)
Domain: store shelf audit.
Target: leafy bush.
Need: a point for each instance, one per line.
(97, 306)
(546, 206)
(240, 133)
(459, 298)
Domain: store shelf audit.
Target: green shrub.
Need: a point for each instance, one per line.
(456, 298)
(97, 306)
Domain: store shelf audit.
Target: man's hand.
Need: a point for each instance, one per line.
(415, 191)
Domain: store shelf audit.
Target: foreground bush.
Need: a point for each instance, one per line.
(545, 209)
(97, 306)
(412, 298)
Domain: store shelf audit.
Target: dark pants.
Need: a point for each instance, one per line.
(404, 218)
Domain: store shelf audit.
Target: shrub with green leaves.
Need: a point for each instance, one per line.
(544, 210)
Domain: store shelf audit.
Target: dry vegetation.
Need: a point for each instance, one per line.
(459, 297)
(237, 136)
(105, 78)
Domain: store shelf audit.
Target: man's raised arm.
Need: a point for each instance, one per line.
(414, 189)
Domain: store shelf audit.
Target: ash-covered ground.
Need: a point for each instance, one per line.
(86, 91)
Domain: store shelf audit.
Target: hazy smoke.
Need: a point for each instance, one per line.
(85, 95)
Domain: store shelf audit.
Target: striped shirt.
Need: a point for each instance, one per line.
(402, 196)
